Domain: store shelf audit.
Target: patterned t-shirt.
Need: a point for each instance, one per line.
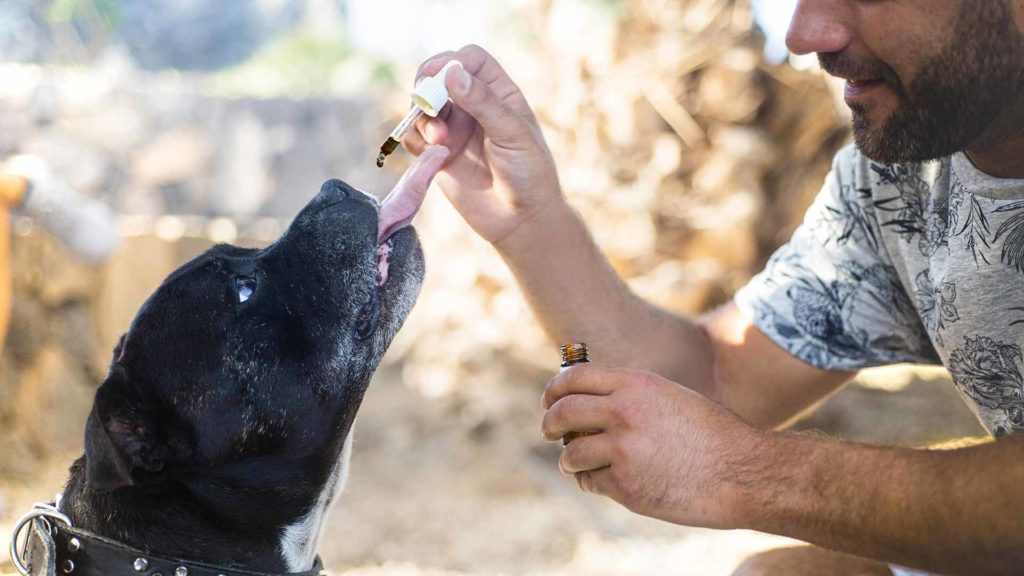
(919, 263)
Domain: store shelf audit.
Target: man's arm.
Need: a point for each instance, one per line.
(501, 178)
(577, 296)
(666, 452)
(945, 511)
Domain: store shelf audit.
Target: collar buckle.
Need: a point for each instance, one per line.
(46, 513)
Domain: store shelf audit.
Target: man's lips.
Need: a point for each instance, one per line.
(859, 89)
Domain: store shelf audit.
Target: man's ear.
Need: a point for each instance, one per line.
(123, 443)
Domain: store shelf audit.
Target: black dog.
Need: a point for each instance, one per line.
(223, 430)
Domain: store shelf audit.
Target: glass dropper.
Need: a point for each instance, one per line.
(429, 97)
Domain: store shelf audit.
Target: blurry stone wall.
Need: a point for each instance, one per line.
(48, 369)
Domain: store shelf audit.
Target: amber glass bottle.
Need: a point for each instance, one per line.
(572, 354)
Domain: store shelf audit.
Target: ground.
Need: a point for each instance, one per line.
(436, 488)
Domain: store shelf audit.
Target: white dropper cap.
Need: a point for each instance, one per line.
(431, 94)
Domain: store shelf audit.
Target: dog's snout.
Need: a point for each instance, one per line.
(335, 190)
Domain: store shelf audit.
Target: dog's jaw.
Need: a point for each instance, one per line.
(300, 540)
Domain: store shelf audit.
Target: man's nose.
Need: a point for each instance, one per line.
(819, 26)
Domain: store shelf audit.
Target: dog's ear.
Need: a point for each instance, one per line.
(119, 348)
(105, 468)
(124, 443)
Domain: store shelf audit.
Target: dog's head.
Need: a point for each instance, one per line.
(238, 381)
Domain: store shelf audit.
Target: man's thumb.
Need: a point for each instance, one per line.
(476, 98)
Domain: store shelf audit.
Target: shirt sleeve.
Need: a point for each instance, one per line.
(831, 295)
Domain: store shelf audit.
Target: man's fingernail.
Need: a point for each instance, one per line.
(463, 81)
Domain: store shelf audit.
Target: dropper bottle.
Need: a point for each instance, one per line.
(573, 354)
(428, 97)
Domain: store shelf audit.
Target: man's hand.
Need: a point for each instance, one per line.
(661, 450)
(657, 448)
(500, 174)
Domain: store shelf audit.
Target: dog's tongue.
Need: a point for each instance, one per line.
(404, 201)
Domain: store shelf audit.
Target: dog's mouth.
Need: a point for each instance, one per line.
(403, 202)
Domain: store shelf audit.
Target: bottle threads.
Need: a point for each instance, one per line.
(574, 353)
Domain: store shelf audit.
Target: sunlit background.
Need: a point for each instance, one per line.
(682, 135)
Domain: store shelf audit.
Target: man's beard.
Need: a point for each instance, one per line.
(958, 96)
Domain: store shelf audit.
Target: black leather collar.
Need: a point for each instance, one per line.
(55, 549)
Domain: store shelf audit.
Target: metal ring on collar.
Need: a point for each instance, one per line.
(40, 510)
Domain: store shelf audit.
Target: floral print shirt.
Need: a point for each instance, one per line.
(919, 263)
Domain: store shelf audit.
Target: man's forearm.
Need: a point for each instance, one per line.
(577, 296)
(950, 512)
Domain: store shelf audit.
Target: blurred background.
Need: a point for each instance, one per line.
(687, 138)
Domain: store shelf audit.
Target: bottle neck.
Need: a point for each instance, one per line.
(574, 353)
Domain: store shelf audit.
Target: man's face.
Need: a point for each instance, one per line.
(925, 78)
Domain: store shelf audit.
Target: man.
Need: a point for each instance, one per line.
(913, 252)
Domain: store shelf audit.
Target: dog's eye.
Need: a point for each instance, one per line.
(366, 321)
(245, 286)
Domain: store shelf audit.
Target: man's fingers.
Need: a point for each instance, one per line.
(414, 142)
(426, 131)
(494, 85)
(433, 65)
(435, 131)
(475, 59)
(600, 482)
(575, 413)
(503, 124)
(582, 379)
(586, 453)
(461, 128)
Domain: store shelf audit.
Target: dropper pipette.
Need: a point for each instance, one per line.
(429, 97)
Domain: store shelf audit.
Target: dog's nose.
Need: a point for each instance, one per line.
(335, 190)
